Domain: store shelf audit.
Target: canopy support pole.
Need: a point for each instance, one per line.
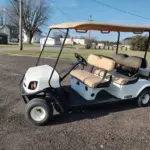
(43, 47)
(147, 46)
(118, 40)
(59, 55)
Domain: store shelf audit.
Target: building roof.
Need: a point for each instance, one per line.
(3, 34)
(6, 25)
(128, 38)
(100, 26)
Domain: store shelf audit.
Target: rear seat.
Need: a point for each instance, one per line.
(122, 79)
(116, 77)
(128, 63)
(144, 73)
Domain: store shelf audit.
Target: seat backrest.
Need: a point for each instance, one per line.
(129, 65)
(101, 62)
(130, 61)
(135, 62)
(119, 58)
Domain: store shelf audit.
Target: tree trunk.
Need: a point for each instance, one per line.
(29, 38)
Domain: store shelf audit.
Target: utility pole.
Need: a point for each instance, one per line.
(20, 27)
(90, 20)
(20, 24)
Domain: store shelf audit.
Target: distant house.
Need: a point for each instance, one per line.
(80, 41)
(36, 38)
(50, 41)
(70, 41)
(127, 41)
(100, 45)
(3, 38)
(122, 47)
(11, 31)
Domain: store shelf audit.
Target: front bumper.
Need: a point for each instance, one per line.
(22, 91)
(23, 94)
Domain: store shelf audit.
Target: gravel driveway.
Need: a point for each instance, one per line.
(109, 127)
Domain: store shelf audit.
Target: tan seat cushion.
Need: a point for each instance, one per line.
(81, 74)
(120, 79)
(101, 62)
(87, 78)
(100, 72)
(116, 77)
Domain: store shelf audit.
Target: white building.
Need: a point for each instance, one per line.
(11, 31)
(36, 38)
(80, 41)
(58, 42)
(50, 41)
(100, 44)
(70, 41)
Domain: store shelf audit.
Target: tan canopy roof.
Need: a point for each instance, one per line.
(100, 27)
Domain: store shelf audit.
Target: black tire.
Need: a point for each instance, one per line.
(42, 106)
(142, 95)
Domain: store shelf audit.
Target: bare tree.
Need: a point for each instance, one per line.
(35, 14)
(3, 15)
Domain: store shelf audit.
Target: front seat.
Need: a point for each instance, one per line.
(92, 80)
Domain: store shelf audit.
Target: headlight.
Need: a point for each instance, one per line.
(32, 85)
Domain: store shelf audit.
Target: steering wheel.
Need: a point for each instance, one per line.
(80, 59)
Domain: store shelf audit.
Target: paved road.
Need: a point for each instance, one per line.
(111, 127)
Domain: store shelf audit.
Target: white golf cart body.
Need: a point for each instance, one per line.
(119, 91)
(41, 74)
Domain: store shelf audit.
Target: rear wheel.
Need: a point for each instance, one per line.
(38, 111)
(144, 98)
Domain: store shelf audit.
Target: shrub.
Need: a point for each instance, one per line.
(88, 44)
(139, 43)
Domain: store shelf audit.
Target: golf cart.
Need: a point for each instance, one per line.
(117, 78)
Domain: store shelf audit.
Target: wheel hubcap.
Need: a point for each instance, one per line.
(38, 113)
(145, 98)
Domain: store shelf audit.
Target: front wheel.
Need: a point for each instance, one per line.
(144, 98)
(38, 111)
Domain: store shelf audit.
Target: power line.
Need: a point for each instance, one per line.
(66, 15)
(60, 10)
(124, 11)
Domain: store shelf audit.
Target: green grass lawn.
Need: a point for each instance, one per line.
(16, 45)
(68, 53)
